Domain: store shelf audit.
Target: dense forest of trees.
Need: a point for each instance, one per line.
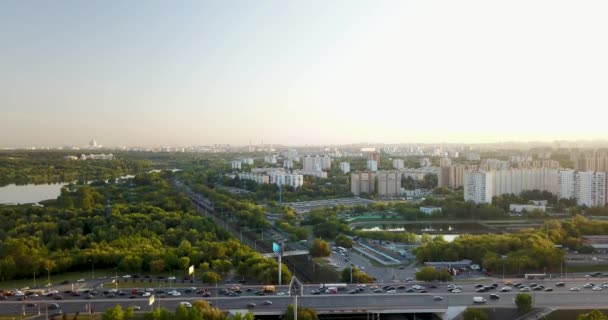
(21, 167)
(530, 250)
(148, 227)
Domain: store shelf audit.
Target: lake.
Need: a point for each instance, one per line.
(29, 193)
(34, 193)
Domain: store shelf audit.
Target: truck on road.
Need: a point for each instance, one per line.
(479, 300)
(269, 289)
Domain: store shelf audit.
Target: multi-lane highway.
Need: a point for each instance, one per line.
(366, 301)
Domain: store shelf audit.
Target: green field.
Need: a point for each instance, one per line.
(603, 267)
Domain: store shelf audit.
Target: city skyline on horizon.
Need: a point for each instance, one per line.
(291, 73)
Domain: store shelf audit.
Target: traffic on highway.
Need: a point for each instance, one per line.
(249, 297)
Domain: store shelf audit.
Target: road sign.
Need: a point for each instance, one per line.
(276, 248)
(151, 299)
(191, 270)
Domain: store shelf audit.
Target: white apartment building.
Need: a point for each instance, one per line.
(372, 165)
(286, 179)
(345, 167)
(270, 159)
(515, 181)
(257, 178)
(590, 188)
(398, 164)
(248, 161)
(445, 162)
(318, 174)
(425, 162)
(473, 156)
(566, 184)
(236, 164)
(478, 186)
(316, 163)
(288, 164)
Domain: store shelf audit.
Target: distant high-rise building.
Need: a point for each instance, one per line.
(316, 163)
(451, 176)
(478, 186)
(345, 167)
(425, 162)
(270, 159)
(389, 183)
(566, 184)
(590, 188)
(288, 164)
(374, 155)
(398, 164)
(372, 165)
(473, 156)
(445, 162)
(362, 182)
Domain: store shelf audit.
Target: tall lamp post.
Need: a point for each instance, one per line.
(92, 269)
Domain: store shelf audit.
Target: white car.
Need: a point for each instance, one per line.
(149, 290)
(186, 304)
(575, 289)
(136, 308)
(145, 294)
(280, 293)
(456, 291)
(174, 293)
(127, 276)
(171, 278)
(596, 288)
(392, 291)
(80, 280)
(588, 285)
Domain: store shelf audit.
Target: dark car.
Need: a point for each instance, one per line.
(494, 296)
(479, 286)
(481, 290)
(251, 305)
(560, 284)
(401, 287)
(410, 290)
(58, 297)
(548, 289)
(53, 306)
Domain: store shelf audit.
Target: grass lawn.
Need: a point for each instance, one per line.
(603, 267)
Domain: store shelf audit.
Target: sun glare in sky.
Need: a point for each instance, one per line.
(302, 72)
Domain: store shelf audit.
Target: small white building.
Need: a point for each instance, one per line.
(248, 161)
(430, 210)
(519, 208)
(236, 165)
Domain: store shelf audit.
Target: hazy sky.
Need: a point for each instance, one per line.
(301, 72)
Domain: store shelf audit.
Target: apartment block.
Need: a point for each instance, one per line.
(389, 183)
(478, 186)
(398, 164)
(345, 167)
(362, 182)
